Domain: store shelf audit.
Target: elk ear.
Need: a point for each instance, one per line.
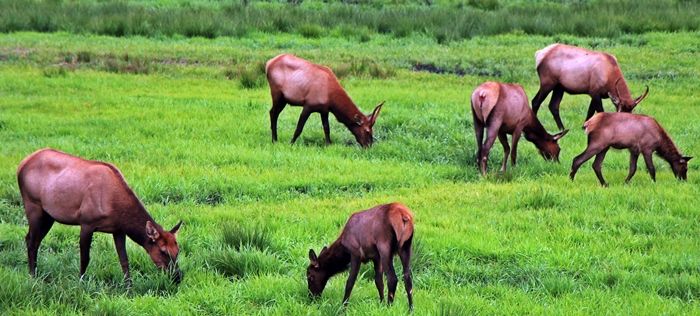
(323, 250)
(176, 228)
(559, 135)
(312, 257)
(641, 97)
(151, 231)
(687, 158)
(357, 119)
(375, 113)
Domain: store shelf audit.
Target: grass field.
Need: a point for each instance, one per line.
(186, 121)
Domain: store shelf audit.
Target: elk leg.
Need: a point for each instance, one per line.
(539, 97)
(597, 166)
(580, 159)
(278, 105)
(554, 106)
(596, 105)
(506, 150)
(493, 128)
(634, 155)
(391, 279)
(354, 269)
(300, 125)
(650, 165)
(85, 241)
(514, 149)
(40, 223)
(378, 281)
(405, 256)
(120, 244)
(479, 133)
(326, 127)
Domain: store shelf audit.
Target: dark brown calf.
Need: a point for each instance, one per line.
(70, 190)
(638, 133)
(376, 234)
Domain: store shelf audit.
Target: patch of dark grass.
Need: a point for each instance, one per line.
(237, 236)
(244, 262)
(684, 287)
(539, 198)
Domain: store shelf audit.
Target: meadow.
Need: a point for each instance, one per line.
(186, 120)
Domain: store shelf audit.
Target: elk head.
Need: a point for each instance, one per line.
(680, 168)
(363, 126)
(316, 276)
(623, 104)
(163, 249)
(549, 146)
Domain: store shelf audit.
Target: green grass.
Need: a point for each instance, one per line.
(444, 21)
(193, 141)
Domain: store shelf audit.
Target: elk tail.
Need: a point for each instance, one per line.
(592, 123)
(401, 220)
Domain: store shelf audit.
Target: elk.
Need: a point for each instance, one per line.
(376, 234)
(58, 187)
(636, 132)
(503, 109)
(298, 82)
(574, 70)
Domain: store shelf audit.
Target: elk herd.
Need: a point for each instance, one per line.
(58, 187)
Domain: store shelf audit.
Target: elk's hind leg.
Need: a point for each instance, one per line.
(40, 223)
(493, 127)
(506, 150)
(592, 150)
(405, 256)
(479, 134)
(596, 105)
(300, 125)
(554, 103)
(545, 89)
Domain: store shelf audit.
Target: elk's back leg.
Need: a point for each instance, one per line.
(545, 89)
(479, 134)
(494, 126)
(40, 223)
(596, 105)
(554, 103)
(598, 164)
(592, 149)
(405, 256)
(506, 150)
(300, 124)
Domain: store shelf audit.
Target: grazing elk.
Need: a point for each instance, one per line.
(298, 82)
(56, 186)
(503, 109)
(376, 234)
(574, 70)
(638, 133)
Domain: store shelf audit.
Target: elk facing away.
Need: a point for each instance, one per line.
(94, 195)
(376, 234)
(574, 70)
(638, 133)
(298, 82)
(503, 109)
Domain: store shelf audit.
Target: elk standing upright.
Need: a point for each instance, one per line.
(59, 187)
(563, 68)
(638, 133)
(376, 234)
(503, 109)
(298, 82)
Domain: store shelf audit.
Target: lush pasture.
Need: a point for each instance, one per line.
(186, 121)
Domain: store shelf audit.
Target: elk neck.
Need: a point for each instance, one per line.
(335, 259)
(667, 149)
(344, 109)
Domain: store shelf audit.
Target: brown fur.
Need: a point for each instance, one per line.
(563, 68)
(56, 186)
(298, 82)
(376, 234)
(638, 133)
(503, 109)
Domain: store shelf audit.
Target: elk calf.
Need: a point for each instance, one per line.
(574, 70)
(57, 187)
(638, 133)
(503, 109)
(298, 82)
(376, 234)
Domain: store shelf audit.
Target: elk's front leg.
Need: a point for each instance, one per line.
(354, 269)
(326, 127)
(650, 165)
(85, 242)
(120, 244)
(634, 156)
(378, 280)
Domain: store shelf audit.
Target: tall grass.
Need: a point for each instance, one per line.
(445, 22)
